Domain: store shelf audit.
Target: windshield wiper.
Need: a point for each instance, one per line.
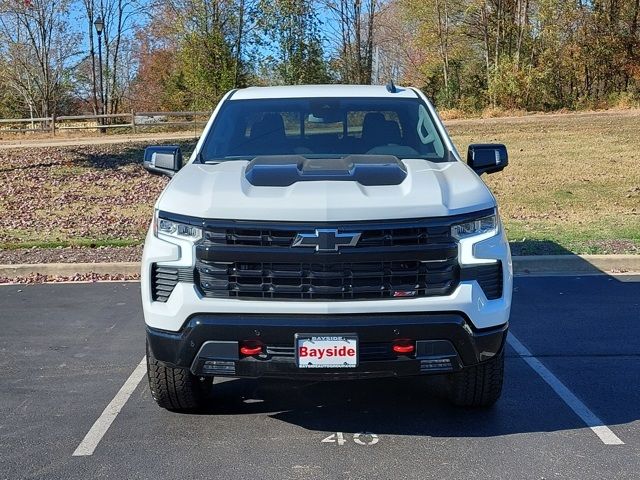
(220, 160)
(223, 159)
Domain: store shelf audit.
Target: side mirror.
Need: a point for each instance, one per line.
(487, 157)
(163, 160)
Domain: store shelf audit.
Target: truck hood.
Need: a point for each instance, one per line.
(221, 191)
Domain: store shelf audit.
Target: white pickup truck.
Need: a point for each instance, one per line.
(325, 232)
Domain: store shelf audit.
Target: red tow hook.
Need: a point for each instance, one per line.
(403, 346)
(251, 347)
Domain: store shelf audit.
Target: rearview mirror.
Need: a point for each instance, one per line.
(487, 157)
(163, 160)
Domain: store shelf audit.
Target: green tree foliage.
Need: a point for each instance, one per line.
(206, 68)
(193, 56)
(296, 47)
(527, 54)
(439, 33)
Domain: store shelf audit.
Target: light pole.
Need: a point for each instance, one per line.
(99, 24)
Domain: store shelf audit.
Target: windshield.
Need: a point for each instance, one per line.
(323, 128)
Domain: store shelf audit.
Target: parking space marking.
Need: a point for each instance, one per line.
(102, 424)
(338, 438)
(588, 417)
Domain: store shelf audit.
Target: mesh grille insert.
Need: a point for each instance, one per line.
(489, 277)
(164, 280)
(339, 281)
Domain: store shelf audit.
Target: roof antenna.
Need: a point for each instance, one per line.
(391, 87)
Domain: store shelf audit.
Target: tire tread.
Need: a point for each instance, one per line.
(175, 389)
(479, 385)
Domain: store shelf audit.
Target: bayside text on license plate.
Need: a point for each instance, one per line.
(327, 351)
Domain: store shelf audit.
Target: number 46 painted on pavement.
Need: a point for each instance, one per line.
(338, 438)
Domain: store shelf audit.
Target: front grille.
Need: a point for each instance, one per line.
(368, 352)
(164, 280)
(396, 259)
(339, 281)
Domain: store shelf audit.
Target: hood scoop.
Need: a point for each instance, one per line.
(285, 170)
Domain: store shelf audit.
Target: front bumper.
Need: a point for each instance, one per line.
(208, 344)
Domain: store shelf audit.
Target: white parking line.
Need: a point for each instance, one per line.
(588, 417)
(102, 424)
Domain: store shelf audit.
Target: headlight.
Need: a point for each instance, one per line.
(475, 227)
(162, 226)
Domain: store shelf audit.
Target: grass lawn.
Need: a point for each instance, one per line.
(573, 185)
(573, 181)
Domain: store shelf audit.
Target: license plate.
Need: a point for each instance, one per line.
(326, 351)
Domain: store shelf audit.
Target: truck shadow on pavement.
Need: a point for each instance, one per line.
(392, 407)
(559, 319)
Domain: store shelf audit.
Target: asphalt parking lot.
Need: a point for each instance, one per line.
(67, 350)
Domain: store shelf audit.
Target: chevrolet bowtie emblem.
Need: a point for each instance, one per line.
(326, 240)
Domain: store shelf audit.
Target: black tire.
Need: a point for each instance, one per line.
(479, 385)
(176, 389)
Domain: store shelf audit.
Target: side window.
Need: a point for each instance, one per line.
(291, 121)
(315, 126)
(291, 124)
(427, 131)
(356, 120)
(252, 119)
(264, 132)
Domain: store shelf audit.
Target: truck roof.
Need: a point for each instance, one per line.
(326, 91)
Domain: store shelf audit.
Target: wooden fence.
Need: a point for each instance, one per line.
(132, 121)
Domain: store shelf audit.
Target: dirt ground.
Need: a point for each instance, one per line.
(573, 185)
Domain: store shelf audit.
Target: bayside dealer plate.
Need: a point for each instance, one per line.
(326, 351)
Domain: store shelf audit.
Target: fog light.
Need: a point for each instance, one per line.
(220, 367)
(436, 365)
(403, 346)
(250, 348)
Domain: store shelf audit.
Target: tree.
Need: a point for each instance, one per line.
(297, 43)
(119, 17)
(439, 34)
(529, 54)
(11, 105)
(209, 39)
(465, 54)
(353, 31)
(38, 49)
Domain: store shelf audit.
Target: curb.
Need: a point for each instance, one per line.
(522, 266)
(575, 264)
(69, 269)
